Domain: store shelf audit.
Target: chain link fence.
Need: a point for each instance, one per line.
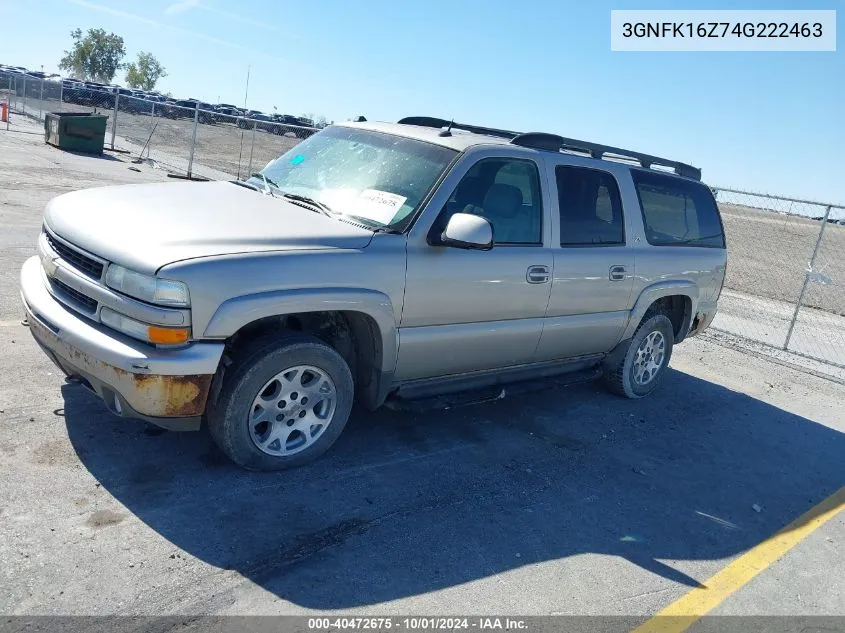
(187, 138)
(785, 282)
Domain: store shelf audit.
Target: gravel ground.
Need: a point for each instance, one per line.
(222, 148)
(768, 255)
(556, 501)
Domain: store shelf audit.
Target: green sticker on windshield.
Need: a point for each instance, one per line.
(297, 159)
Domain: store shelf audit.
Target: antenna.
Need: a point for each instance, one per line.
(448, 130)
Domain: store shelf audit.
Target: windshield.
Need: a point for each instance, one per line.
(369, 175)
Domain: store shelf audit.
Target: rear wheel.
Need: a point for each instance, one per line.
(283, 403)
(638, 372)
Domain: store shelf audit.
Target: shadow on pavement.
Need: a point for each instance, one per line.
(412, 503)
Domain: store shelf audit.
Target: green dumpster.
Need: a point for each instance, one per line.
(80, 132)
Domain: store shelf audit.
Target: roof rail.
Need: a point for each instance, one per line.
(555, 143)
(428, 121)
(552, 142)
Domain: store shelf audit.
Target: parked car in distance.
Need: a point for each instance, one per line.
(256, 120)
(155, 97)
(96, 95)
(228, 111)
(292, 125)
(133, 101)
(377, 262)
(184, 109)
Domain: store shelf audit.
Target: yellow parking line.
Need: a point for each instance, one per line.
(689, 608)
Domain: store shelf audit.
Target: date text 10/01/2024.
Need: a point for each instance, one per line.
(417, 623)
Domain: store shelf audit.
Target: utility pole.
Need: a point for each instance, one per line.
(246, 94)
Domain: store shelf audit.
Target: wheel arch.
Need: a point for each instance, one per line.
(677, 299)
(358, 323)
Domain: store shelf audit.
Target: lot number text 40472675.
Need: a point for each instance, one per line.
(417, 623)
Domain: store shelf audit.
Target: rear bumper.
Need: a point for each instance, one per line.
(703, 318)
(168, 387)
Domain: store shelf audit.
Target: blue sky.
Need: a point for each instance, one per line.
(771, 122)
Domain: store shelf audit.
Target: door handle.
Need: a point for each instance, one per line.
(537, 274)
(617, 273)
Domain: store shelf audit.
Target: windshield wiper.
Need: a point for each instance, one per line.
(319, 206)
(378, 227)
(248, 185)
(267, 183)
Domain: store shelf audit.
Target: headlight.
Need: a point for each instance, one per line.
(149, 289)
(144, 331)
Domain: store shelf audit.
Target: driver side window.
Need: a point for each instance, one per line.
(506, 192)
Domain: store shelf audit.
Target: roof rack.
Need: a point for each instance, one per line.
(555, 143)
(428, 121)
(552, 142)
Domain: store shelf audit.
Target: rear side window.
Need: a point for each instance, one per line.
(677, 212)
(590, 208)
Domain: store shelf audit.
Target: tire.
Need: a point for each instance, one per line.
(631, 375)
(303, 419)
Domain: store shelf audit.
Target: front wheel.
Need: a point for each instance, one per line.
(283, 403)
(638, 372)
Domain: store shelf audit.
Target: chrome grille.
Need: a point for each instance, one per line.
(75, 297)
(81, 262)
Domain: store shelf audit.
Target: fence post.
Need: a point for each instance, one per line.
(252, 147)
(114, 119)
(41, 99)
(61, 93)
(9, 104)
(23, 109)
(193, 137)
(807, 277)
(152, 129)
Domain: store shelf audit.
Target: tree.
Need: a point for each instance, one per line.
(145, 72)
(95, 56)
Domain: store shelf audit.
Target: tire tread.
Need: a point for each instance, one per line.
(221, 424)
(613, 378)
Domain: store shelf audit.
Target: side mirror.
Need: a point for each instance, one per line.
(469, 231)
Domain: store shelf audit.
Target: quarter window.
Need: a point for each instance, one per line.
(677, 212)
(590, 207)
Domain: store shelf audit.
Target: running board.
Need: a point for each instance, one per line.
(417, 400)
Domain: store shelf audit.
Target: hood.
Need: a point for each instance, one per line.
(145, 227)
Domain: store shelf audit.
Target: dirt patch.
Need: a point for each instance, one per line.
(104, 518)
(54, 453)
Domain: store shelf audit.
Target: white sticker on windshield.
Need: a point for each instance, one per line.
(379, 205)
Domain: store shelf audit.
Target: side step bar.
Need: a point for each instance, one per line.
(449, 397)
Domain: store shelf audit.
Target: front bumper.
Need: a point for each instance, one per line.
(168, 387)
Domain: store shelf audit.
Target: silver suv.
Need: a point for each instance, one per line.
(373, 261)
